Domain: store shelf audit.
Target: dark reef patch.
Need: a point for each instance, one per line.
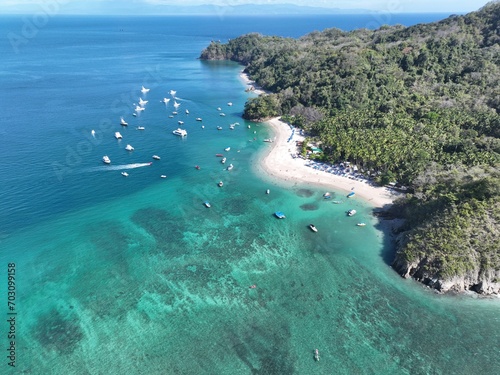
(304, 193)
(57, 332)
(309, 207)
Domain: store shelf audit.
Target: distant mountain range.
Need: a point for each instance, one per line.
(135, 8)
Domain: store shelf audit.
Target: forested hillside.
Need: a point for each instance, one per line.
(418, 105)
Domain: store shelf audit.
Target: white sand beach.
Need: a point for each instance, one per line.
(279, 165)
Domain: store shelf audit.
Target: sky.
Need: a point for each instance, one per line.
(148, 6)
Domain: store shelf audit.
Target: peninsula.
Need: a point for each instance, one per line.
(416, 108)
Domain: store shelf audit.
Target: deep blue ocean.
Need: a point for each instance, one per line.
(134, 275)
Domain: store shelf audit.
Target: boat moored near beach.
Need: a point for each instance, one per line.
(361, 224)
(220, 183)
(279, 215)
(351, 212)
(351, 194)
(207, 204)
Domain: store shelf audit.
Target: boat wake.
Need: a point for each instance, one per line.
(117, 167)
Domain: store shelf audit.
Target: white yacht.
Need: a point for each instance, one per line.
(106, 160)
(123, 122)
(156, 157)
(165, 100)
(199, 119)
(118, 135)
(180, 132)
(125, 174)
(129, 148)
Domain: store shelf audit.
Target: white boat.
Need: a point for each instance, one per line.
(219, 127)
(156, 157)
(140, 128)
(279, 215)
(174, 112)
(134, 114)
(187, 112)
(222, 114)
(176, 105)
(230, 166)
(106, 160)
(138, 108)
(198, 119)
(165, 100)
(129, 148)
(230, 104)
(231, 127)
(207, 204)
(125, 174)
(227, 149)
(180, 122)
(223, 160)
(118, 135)
(163, 176)
(268, 140)
(361, 224)
(180, 132)
(220, 184)
(268, 191)
(123, 122)
(351, 212)
(219, 108)
(172, 92)
(142, 103)
(144, 90)
(316, 354)
(93, 133)
(313, 228)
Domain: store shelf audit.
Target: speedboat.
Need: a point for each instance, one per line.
(223, 160)
(230, 166)
(118, 135)
(163, 176)
(219, 127)
(351, 212)
(187, 112)
(123, 122)
(230, 104)
(316, 354)
(180, 132)
(199, 119)
(156, 157)
(219, 108)
(279, 215)
(268, 191)
(181, 122)
(129, 148)
(227, 149)
(144, 90)
(313, 228)
(231, 127)
(220, 184)
(93, 133)
(207, 204)
(197, 167)
(141, 128)
(351, 194)
(361, 224)
(222, 114)
(125, 174)
(106, 160)
(142, 103)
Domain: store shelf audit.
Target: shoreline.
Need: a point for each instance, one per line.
(278, 165)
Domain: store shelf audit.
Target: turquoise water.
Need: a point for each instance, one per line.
(135, 275)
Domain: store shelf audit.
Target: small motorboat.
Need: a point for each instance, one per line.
(253, 286)
(223, 160)
(106, 159)
(219, 155)
(316, 354)
(156, 157)
(134, 114)
(327, 195)
(268, 140)
(219, 127)
(361, 224)
(180, 122)
(222, 114)
(150, 163)
(337, 202)
(219, 108)
(118, 135)
(220, 184)
(351, 212)
(197, 167)
(199, 119)
(123, 122)
(129, 148)
(279, 215)
(351, 194)
(163, 176)
(230, 104)
(268, 191)
(231, 127)
(187, 112)
(229, 167)
(227, 149)
(207, 204)
(174, 112)
(125, 174)
(140, 128)
(93, 133)
(313, 228)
